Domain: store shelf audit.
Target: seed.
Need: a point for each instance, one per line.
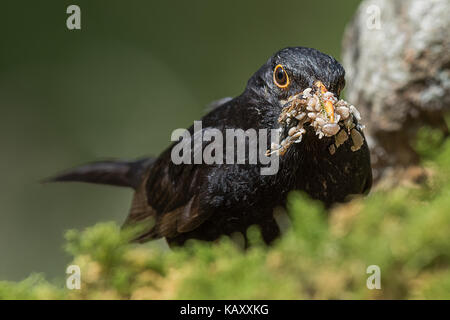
(312, 102)
(307, 92)
(318, 106)
(310, 108)
(312, 115)
(292, 131)
(341, 137)
(355, 113)
(343, 111)
(299, 139)
(357, 139)
(330, 129)
(337, 118)
(300, 116)
(274, 146)
(349, 123)
(320, 121)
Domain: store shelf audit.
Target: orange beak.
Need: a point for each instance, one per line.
(328, 105)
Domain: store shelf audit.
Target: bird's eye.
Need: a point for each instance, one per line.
(280, 77)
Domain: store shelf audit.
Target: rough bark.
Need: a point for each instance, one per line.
(398, 74)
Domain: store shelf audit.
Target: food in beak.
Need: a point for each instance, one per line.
(320, 109)
(327, 104)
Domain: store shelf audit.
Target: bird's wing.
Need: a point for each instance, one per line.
(169, 195)
(175, 197)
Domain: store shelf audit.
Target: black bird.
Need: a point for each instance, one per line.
(204, 201)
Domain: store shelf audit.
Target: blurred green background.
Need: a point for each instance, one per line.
(116, 89)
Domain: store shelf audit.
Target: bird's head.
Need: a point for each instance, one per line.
(292, 70)
(284, 82)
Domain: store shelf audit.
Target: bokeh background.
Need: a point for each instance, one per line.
(116, 89)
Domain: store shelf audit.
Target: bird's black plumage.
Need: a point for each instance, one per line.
(205, 201)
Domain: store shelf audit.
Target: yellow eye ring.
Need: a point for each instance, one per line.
(280, 77)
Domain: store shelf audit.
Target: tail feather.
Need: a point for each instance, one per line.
(116, 173)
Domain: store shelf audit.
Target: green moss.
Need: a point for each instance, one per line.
(321, 255)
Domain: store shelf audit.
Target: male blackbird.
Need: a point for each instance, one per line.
(205, 201)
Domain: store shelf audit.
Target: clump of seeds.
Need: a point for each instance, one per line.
(315, 107)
